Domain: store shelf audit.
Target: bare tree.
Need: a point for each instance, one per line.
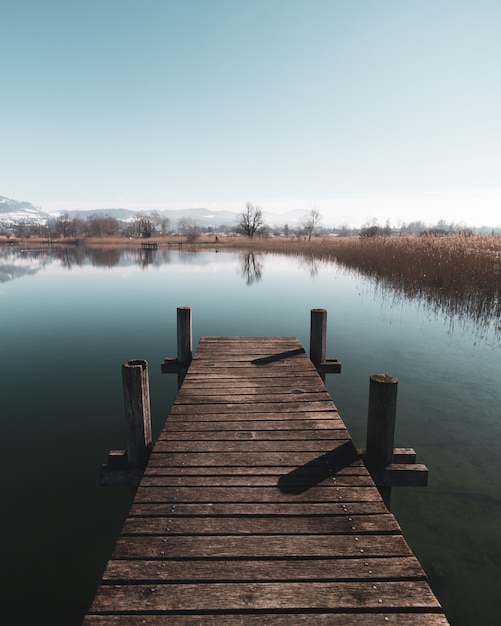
(250, 221)
(161, 223)
(62, 225)
(144, 226)
(102, 226)
(187, 227)
(310, 222)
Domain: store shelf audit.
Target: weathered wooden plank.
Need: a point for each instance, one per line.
(250, 371)
(231, 459)
(263, 525)
(271, 408)
(401, 475)
(254, 494)
(341, 596)
(216, 342)
(260, 445)
(201, 384)
(207, 509)
(259, 422)
(195, 414)
(272, 619)
(228, 375)
(307, 481)
(267, 546)
(256, 381)
(368, 568)
(250, 398)
(158, 469)
(255, 433)
(249, 351)
(258, 361)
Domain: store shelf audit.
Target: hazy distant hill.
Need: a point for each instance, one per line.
(7, 205)
(202, 217)
(15, 211)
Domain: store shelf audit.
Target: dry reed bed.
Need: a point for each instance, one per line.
(455, 275)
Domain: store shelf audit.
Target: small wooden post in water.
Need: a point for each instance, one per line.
(181, 363)
(381, 425)
(137, 410)
(318, 339)
(184, 341)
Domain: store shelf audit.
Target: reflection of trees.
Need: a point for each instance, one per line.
(144, 257)
(104, 257)
(251, 268)
(70, 256)
(16, 262)
(311, 263)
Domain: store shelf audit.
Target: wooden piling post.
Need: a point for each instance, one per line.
(318, 339)
(184, 341)
(381, 425)
(136, 391)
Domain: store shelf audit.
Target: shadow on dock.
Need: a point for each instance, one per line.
(315, 472)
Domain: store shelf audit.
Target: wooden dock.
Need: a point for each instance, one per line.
(255, 508)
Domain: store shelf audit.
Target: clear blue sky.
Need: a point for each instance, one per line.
(370, 108)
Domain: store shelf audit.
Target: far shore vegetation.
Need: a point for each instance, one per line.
(453, 269)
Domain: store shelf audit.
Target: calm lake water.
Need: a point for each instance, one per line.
(70, 318)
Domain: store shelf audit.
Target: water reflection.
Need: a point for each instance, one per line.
(460, 299)
(311, 263)
(252, 268)
(14, 264)
(18, 262)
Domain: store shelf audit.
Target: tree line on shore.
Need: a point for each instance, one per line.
(249, 222)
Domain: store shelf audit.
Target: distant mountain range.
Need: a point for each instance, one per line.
(13, 211)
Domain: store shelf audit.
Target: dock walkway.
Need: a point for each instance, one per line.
(256, 509)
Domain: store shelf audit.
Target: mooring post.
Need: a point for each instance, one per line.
(184, 341)
(318, 339)
(381, 425)
(137, 410)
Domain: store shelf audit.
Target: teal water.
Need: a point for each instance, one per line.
(70, 318)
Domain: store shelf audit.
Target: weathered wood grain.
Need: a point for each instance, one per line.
(331, 431)
(260, 445)
(341, 480)
(260, 422)
(194, 414)
(295, 405)
(157, 468)
(248, 458)
(256, 508)
(262, 525)
(250, 509)
(338, 596)
(273, 619)
(254, 494)
(368, 569)
(259, 546)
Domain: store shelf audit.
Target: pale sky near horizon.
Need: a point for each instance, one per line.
(359, 108)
